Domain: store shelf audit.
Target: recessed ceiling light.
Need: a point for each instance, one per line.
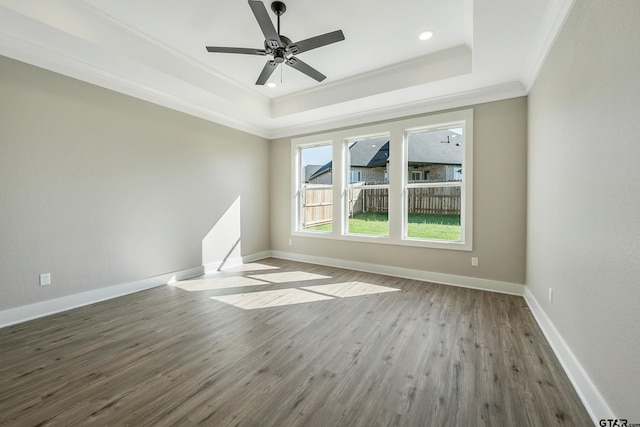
(425, 35)
(271, 85)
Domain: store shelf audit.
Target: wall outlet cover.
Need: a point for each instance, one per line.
(45, 279)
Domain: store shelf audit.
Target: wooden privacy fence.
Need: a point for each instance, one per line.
(317, 205)
(434, 200)
(368, 200)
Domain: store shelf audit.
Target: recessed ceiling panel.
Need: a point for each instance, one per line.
(377, 35)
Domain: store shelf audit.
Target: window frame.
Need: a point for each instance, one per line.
(348, 185)
(434, 184)
(397, 179)
(301, 186)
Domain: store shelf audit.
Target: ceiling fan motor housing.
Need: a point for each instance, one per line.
(278, 8)
(280, 53)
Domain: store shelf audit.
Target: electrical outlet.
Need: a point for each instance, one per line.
(45, 279)
(550, 295)
(290, 242)
(474, 261)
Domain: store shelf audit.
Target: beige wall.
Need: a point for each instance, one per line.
(584, 194)
(499, 206)
(100, 189)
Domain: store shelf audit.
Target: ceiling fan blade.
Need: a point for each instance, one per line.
(270, 34)
(243, 50)
(305, 68)
(268, 69)
(318, 41)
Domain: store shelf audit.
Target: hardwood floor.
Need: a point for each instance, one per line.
(279, 343)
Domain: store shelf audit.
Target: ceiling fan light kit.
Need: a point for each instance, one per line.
(280, 47)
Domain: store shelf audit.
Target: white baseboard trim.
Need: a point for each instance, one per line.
(23, 313)
(215, 267)
(57, 305)
(407, 273)
(591, 398)
(256, 257)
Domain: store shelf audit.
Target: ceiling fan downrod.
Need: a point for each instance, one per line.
(279, 9)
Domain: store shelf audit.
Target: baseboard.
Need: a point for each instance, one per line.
(587, 391)
(214, 267)
(407, 273)
(57, 305)
(219, 265)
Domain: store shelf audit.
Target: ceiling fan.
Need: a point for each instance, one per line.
(280, 47)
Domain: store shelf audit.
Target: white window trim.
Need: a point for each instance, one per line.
(348, 186)
(297, 185)
(397, 177)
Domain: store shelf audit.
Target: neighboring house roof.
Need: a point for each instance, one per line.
(309, 170)
(435, 147)
(369, 153)
(324, 168)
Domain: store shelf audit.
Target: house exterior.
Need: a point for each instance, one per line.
(310, 170)
(432, 156)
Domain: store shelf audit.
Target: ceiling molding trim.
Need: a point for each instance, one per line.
(457, 100)
(554, 18)
(178, 54)
(441, 65)
(70, 67)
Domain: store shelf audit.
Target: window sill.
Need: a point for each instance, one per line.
(386, 240)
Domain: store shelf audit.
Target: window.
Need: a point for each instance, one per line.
(314, 198)
(433, 209)
(367, 197)
(405, 182)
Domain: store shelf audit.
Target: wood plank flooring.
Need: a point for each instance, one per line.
(279, 343)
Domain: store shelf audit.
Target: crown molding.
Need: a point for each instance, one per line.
(425, 106)
(446, 64)
(33, 42)
(554, 18)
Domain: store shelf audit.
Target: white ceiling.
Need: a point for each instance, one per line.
(155, 50)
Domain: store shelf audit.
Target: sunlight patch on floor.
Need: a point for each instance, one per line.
(275, 298)
(288, 276)
(215, 283)
(280, 297)
(349, 289)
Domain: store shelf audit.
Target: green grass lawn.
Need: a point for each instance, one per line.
(423, 226)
